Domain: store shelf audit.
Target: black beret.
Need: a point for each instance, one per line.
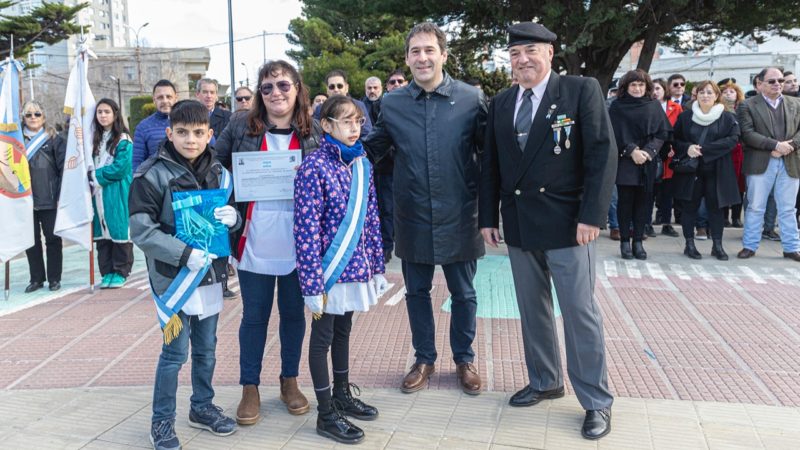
(528, 32)
(725, 81)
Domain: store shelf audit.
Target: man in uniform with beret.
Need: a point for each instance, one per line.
(548, 165)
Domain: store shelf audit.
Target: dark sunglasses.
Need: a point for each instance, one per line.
(394, 81)
(244, 98)
(33, 114)
(335, 86)
(678, 84)
(774, 80)
(266, 88)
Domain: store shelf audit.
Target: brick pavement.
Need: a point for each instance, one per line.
(676, 330)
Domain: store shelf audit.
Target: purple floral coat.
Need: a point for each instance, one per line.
(321, 192)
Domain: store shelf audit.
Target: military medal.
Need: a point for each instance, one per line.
(557, 138)
(567, 129)
(551, 111)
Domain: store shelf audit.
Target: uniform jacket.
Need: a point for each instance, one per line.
(148, 136)
(321, 193)
(152, 220)
(720, 142)
(46, 168)
(437, 137)
(754, 118)
(115, 181)
(235, 138)
(543, 196)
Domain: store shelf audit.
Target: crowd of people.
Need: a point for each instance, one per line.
(706, 157)
(425, 171)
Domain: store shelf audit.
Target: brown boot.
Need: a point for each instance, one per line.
(296, 402)
(469, 378)
(248, 412)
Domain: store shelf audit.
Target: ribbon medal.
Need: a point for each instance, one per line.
(562, 122)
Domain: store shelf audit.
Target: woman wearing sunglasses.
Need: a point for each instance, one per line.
(279, 120)
(46, 151)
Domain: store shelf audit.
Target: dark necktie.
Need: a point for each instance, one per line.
(523, 123)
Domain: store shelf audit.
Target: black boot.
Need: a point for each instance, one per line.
(717, 250)
(625, 249)
(638, 250)
(350, 405)
(690, 250)
(332, 424)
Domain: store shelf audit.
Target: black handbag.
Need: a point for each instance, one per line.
(688, 164)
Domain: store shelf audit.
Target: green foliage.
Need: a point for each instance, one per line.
(48, 23)
(593, 36)
(140, 107)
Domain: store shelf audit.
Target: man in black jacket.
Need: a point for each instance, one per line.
(436, 125)
(550, 161)
(207, 94)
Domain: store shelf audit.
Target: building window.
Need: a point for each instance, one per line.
(130, 73)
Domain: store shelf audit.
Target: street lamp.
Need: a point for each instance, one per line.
(119, 94)
(247, 75)
(138, 53)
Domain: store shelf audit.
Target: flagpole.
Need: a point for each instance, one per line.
(91, 261)
(91, 230)
(8, 280)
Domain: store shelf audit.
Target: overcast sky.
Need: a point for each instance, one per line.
(201, 23)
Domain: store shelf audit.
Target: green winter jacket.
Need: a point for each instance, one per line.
(115, 181)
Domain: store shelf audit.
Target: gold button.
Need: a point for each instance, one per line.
(518, 192)
(541, 189)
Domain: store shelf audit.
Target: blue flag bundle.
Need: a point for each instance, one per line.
(195, 223)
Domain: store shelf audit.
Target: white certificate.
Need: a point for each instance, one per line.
(264, 175)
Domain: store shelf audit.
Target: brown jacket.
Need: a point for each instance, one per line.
(754, 120)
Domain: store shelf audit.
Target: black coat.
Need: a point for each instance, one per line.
(722, 137)
(543, 196)
(219, 120)
(437, 136)
(641, 123)
(46, 169)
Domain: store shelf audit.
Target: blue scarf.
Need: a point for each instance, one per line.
(349, 153)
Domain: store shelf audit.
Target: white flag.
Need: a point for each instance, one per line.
(74, 216)
(16, 201)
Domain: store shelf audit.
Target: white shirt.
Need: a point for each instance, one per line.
(205, 301)
(773, 103)
(269, 248)
(536, 98)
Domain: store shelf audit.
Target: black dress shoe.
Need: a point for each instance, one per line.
(596, 424)
(529, 396)
(668, 230)
(649, 231)
(794, 256)
(638, 250)
(737, 223)
(34, 286)
(625, 250)
(55, 285)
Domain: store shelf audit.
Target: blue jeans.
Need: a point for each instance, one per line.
(785, 192)
(383, 190)
(771, 213)
(203, 336)
(418, 279)
(702, 215)
(258, 292)
(613, 224)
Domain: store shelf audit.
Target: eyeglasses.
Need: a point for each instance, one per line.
(350, 123)
(775, 80)
(333, 86)
(394, 81)
(266, 88)
(33, 114)
(678, 84)
(244, 98)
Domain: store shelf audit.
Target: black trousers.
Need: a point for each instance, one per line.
(705, 185)
(331, 331)
(663, 193)
(633, 206)
(114, 257)
(44, 221)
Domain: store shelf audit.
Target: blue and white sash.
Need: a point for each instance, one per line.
(348, 235)
(35, 143)
(169, 304)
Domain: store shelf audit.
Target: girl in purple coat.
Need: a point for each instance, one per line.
(339, 259)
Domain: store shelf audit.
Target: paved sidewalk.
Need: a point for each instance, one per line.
(118, 418)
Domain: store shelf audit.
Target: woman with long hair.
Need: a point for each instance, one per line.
(732, 97)
(112, 149)
(707, 133)
(640, 129)
(279, 120)
(46, 151)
